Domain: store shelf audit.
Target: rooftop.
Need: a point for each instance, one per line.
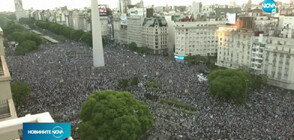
(150, 22)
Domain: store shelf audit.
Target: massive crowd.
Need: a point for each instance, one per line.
(62, 77)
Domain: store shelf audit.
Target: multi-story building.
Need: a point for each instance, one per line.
(134, 30)
(258, 46)
(196, 38)
(154, 34)
(286, 21)
(120, 29)
(123, 5)
(278, 62)
(81, 21)
(19, 11)
(251, 51)
(234, 47)
(196, 8)
(7, 109)
(78, 20)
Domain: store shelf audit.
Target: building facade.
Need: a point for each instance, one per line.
(134, 30)
(19, 11)
(7, 109)
(120, 29)
(286, 21)
(123, 5)
(196, 38)
(234, 48)
(258, 46)
(272, 56)
(154, 34)
(279, 60)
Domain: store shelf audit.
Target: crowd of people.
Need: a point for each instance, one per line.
(62, 76)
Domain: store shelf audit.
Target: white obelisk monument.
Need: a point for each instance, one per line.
(98, 53)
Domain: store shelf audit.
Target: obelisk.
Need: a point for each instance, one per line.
(98, 53)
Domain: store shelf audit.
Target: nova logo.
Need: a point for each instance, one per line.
(269, 6)
(57, 132)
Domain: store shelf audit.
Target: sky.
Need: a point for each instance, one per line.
(8, 5)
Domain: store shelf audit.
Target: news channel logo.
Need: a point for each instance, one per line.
(46, 131)
(269, 6)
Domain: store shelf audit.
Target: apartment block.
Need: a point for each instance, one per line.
(134, 30)
(154, 34)
(251, 51)
(278, 62)
(196, 38)
(7, 109)
(258, 46)
(120, 30)
(234, 47)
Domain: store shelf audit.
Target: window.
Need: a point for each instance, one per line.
(4, 109)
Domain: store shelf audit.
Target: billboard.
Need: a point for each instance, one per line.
(231, 18)
(137, 12)
(102, 10)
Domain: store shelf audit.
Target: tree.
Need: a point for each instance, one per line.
(26, 47)
(87, 38)
(123, 83)
(76, 34)
(133, 46)
(195, 59)
(33, 37)
(20, 91)
(135, 81)
(259, 80)
(113, 115)
(229, 84)
(16, 36)
(11, 28)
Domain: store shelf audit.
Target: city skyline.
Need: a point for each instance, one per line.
(71, 4)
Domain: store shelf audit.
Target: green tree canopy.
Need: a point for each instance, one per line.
(195, 59)
(16, 36)
(20, 91)
(133, 46)
(135, 81)
(112, 115)
(230, 84)
(87, 38)
(33, 37)
(11, 28)
(76, 34)
(26, 47)
(123, 83)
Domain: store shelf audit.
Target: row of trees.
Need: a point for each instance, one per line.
(14, 32)
(208, 61)
(61, 30)
(72, 34)
(143, 50)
